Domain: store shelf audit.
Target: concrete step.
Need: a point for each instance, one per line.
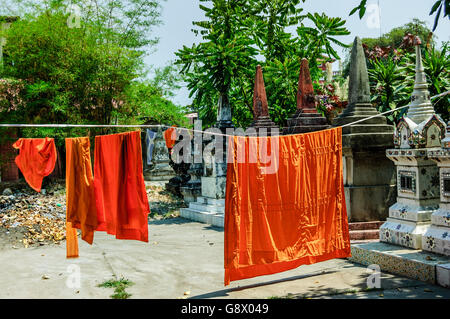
(211, 201)
(207, 208)
(365, 225)
(211, 218)
(364, 234)
(411, 263)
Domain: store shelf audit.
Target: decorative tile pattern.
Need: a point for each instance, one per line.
(409, 263)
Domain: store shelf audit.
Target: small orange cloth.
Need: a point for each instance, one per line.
(292, 216)
(36, 159)
(81, 212)
(71, 241)
(170, 137)
(121, 197)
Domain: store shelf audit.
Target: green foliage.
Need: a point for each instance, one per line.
(145, 101)
(119, 287)
(392, 80)
(214, 65)
(436, 8)
(395, 37)
(436, 63)
(388, 87)
(240, 34)
(324, 32)
(85, 69)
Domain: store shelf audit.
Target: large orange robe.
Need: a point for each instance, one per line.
(81, 212)
(294, 215)
(36, 159)
(121, 197)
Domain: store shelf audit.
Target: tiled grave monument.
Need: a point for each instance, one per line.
(437, 237)
(417, 133)
(210, 206)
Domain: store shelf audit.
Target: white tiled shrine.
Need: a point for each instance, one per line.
(419, 132)
(437, 237)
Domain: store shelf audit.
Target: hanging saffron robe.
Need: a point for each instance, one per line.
(81, 212)
(170, 137)
(36, 159)
(121, 197)
(71, 241)
(278, 219)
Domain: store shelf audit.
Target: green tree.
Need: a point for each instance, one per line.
(395, 37)
(436, 8)
(214, 65)
(237, 36)
(82, 73)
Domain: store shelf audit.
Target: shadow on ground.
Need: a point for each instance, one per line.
(180, 221)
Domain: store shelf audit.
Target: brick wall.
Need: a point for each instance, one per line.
(8, 169)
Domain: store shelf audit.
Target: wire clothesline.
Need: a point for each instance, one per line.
(182, 128)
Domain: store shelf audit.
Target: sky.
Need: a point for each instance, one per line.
(177, 17)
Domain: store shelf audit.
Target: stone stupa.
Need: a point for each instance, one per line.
(306, 118)
(261, 119)
(369, 177)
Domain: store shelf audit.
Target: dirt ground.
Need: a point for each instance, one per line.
(32, 219)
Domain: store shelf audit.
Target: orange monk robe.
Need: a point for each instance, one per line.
(170, 137)
(81, 210)
(71, 241)
(121, 197)
(292, 216)
(36, 159)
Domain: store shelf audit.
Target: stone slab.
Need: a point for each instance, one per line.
(410, 263)
(441, 217)
(360, 209)
(214, 187)
(404, 233)
(207, 208)
(437, 240)
(210, 218)
(443, 275)
(411, 212)
(211, 201)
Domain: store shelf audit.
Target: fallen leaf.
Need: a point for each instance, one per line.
(381, 295)
(187, 293)
(428, 290)
(45, 277)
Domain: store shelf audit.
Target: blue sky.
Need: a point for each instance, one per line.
(177, 17)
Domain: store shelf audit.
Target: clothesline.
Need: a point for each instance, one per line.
(181, 128)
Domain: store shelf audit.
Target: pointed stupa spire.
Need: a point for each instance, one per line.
(305, 92)
(261, 118)
(306, 118)
(359, 90)
(420, 107)
(260, 106)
